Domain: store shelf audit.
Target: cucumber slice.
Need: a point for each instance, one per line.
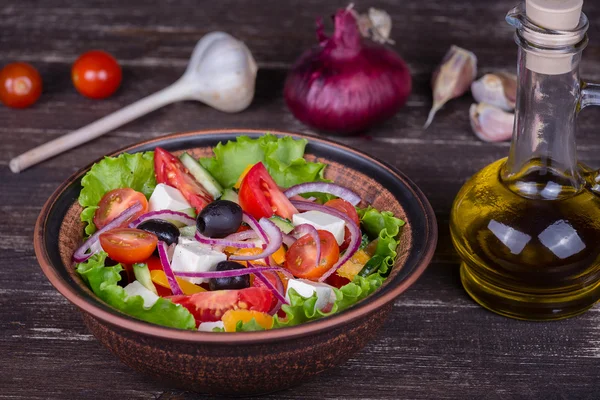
(203, 176)
(284, 224)
(142, 274)
(188, 231)
(190, 211)
(231, 195)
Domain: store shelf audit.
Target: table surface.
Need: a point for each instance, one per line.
(437, 344)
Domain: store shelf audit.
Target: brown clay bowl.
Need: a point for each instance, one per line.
(253, 362)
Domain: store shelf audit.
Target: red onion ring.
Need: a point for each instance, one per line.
(164, 215)
(324, 187)
(225, 274)
(273, 239)
(253, 223)
(164, 260)
(355, 235)
(244, 235)
(306, 229)
(223, 242)
(287, 239)
(80, 256)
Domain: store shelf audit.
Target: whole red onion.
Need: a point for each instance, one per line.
(347, 83)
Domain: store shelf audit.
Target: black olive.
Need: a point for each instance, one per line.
(164, 230)
(219, 219)
(234, 282)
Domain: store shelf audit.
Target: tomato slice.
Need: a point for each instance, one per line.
(210, 306)
(271, 277)
(127, 245)
(261, 197)
(300, 259)
(171, 171)
(348, 209)
(115, 202)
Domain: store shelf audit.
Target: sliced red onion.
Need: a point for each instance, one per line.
(244, 235)
(254, 225)
(288, 240)
(225, 274)
(273, 240)
(324, 187)
(164, 215)
(223, 242)
(164, 260)
(80, 255)
(278, 291)
(306, 229)
(355, 235)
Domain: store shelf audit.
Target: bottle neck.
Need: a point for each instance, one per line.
(542, 162)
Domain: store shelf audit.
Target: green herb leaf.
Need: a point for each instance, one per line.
(135, 171)
(103, 282)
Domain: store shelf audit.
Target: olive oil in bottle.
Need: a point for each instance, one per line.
(527, 227)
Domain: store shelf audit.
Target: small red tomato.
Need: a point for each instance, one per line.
(20, 85)
(96, 74)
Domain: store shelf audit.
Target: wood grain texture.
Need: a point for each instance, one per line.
(437, 343)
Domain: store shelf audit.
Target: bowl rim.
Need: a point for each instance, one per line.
(122, 321)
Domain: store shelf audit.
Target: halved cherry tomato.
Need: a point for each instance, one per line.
(348, 209)
(96, 74)
(115, 202)
(20, 85)
(127, 245)
(273, 279)
(261, 197)
(210, 306)
(337, 281)
(171, 171)
(232, 317)
(300, 259)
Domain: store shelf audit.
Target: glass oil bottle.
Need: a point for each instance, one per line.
(527, 227)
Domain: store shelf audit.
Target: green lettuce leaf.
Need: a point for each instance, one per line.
(135, 171)
(103, 282)
(283, 158)
(383, 226)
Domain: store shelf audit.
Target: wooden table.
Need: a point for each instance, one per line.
(437, 343)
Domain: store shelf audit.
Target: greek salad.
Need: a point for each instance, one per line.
(252, 238)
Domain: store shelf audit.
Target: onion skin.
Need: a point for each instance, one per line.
(347, 84)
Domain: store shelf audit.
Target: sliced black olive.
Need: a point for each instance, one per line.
(219, 219)
(234, 282)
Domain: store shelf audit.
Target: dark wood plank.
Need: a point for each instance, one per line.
(437, 343)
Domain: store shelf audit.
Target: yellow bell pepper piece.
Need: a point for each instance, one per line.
(278, 256)
(231, 318)
(242, 176)
(353, 266)
(160, 278)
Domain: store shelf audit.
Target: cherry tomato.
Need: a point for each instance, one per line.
(127, 245)
(261, 197)
(348, 209)
(210, 306)
(171, 171)
(20, 85)
(115, 202)
(274, 281)
(96, 74)
(300, 259)
(336, 280)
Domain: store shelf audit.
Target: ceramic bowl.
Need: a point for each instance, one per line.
(253, 362)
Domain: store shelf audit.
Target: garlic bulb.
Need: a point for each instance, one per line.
(498, 89)
(490, 123)
(452, 78)
(222, 73)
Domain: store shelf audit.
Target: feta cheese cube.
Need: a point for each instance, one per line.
(195, 257)
(306, 288)
(323, 222)
(166, 197)
(187, 240)
(135, 288)
(209, 326)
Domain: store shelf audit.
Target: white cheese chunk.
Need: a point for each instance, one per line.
(323, 222)
(187, 240)
(195, 257)
(137, 289)
(306, 288)
(166, 197)
(209, 326)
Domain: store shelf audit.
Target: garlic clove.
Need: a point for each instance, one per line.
(490, 123)
(222, 73)
(452, 78)
(498, 89)
(375, 25)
